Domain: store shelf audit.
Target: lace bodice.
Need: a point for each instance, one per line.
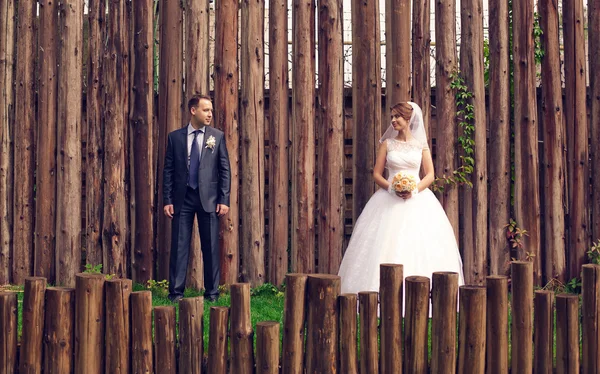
(404, 156)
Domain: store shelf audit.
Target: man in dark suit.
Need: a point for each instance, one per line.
(197, 181)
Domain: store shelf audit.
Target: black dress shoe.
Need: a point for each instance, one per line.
(175, 298)
(212, 298)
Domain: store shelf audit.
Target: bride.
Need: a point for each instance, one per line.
(408, 228)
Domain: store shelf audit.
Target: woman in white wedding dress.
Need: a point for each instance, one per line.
(409, 228)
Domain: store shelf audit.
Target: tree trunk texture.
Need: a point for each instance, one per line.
(593, 33)
(397, 55)
(421, 54)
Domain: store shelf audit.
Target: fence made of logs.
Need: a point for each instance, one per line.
(102, 326)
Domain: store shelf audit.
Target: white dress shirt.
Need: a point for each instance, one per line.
(190, 139)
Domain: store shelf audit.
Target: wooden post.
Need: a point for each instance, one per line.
(217, 340)
(593, 33)
(267, 348)
(330, 168)
(142, 146)
(499, 123)
(522, 317)
(94, 167)
(415, 324)
(590, 318)
(390, 291)
(242, 356)
(279, 141)
(8, 332)
(45, 209)
(7, 60)
(366, 95)
(348, 331)
(294, 317)
(446, 66)
(191, 334)
(472, 330)
(24, 143)
(117, 338)
(59, 328)
(567, 334)
(421, 55)
(226, 76)
(369, 355)
(322, 331)
(554, 144)
(397, 53)
(89, 323)
(497, 324)
(252, 133)
(543, 331)
(303, 136)
(141, 332)
(444, 297)
(164, 339)
(30, 357)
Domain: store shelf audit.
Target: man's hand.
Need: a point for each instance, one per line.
(222, 209)
(169, 210)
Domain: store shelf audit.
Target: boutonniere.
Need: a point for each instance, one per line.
(211, 142)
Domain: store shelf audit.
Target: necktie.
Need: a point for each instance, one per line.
(194, 162)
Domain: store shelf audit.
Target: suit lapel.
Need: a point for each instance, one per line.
(183, 139)
(207, 130)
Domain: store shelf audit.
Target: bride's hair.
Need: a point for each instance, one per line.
(403, 109)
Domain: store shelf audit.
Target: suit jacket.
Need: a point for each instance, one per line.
(214, 177)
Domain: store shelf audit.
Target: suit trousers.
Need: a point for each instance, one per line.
(181, 234)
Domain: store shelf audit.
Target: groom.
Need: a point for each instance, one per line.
(196, 181)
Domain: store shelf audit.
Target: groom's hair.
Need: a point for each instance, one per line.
(403, 109)
(195, 99)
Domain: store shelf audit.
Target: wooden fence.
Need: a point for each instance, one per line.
(78, 116)
(102, 326)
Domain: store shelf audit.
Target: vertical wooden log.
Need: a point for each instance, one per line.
(226, 77)
(554, 145)
(7, 55)
(24, 143)
(543, 331)
(322, 323)
(348, 332)
(242, 356)
(45, 209)
(68, 200)
(330, 170)
(577, 134)
(169, 113)
(499, 123)
(142, 148)
(390, 291)
(217, 340)
(303, 136)
(141, 332)
(444, 297)
(397, 54)
(415, 324)
(94, 172)
(369, 355)
(117, 355)
(593, 11)
(446, 66)
(421, 54)
(8, 332)
(294, 317)
(522, 317)
(267, 348)
(89, 323)
(279, 141)
(567, 334)
(590, 318)
(366, 95)
(475, 239)
(526, 194)
(497, 324)
(191, 335)
(59, 328)
(472, 330)
(30, 357)
(165, 339)
(253, 134)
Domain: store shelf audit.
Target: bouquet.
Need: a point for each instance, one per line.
(403, 183)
